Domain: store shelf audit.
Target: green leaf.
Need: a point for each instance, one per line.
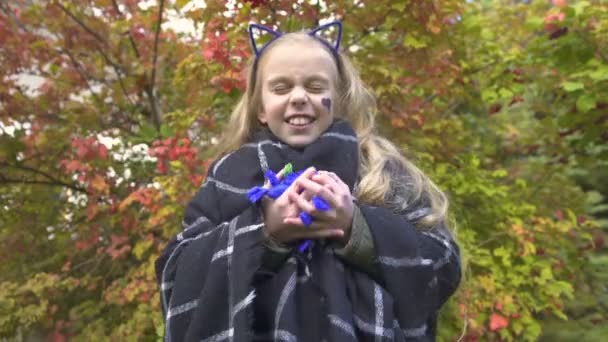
(600, 74)
(487, 34)
(500, 173)
(160, 331)
(599, 260)
(517, 327)
(599, 208)
(534, 22)
(533, 330)
(572, 86)
(166, 131)
(147, 132)
(399, 6)
(390, 22)
(505, 93)
(579, 7)
(546, 273)
(585, 103)
(560, 314)
(413, 42)
(571, 216)
(488, 95)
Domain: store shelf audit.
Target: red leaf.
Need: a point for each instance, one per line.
(419, 119)
(138, 32)
(90, 241)
(57, 336)
(558, 33)
(498, 306)
(117, 240)
(256, 3)
(552, 19)
(498, 322)
(560, 3)
(581, 219)
(208, 53)
(71, 166)
(495, 108)
(102, 151)
(117, 253)
(516, 99)
(162, 166)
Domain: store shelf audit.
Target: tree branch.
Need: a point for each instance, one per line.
(116, 67)
(82, 75)
(154, 105)
(82, 24)
(10, 14)
(133, 45)
(156, 40)
(318, 6)
(50, 179)
(4, 180)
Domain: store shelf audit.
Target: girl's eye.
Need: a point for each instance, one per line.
(280, 88)
(315, 87)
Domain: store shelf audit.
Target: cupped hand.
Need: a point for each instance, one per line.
(328, 186)
(279, 216)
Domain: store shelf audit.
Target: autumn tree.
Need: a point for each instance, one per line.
(109, 113)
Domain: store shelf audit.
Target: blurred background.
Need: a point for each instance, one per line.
(109, 110)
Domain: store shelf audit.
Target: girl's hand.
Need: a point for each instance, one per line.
(277, 211)
(332, 189)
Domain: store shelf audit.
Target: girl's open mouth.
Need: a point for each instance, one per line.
(300, 121)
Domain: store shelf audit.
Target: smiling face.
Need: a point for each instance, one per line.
(298, 80)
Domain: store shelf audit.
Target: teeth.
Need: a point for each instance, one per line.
(300, 120)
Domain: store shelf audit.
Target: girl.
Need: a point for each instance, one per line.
(382, 262)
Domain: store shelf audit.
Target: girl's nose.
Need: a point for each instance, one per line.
(299, 97)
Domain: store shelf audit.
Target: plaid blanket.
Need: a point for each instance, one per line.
(214, 288)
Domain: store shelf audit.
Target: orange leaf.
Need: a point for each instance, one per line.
(398, 122)
(99, 183)
(127, 201)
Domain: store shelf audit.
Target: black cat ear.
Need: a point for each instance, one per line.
(260, 29)
(324, 32)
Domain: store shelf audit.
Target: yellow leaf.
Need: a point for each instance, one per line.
(487, 283)
(529, 249)
(141, 247)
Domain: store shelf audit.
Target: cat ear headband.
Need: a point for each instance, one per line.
(259, 49)
(313, 33)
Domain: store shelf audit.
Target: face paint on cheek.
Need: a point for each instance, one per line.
(326, 103)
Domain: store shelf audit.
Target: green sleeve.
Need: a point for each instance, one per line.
(360, 251)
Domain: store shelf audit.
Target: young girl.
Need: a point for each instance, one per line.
(382, 261)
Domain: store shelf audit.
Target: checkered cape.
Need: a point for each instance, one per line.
(210, 272)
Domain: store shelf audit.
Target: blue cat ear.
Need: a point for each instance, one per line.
(260, 30)
(328, 27)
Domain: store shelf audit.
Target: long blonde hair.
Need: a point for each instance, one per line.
(386, 176)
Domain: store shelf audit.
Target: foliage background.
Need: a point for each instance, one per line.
(503, 103)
